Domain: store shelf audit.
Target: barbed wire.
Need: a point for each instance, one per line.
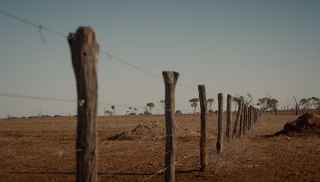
(42, 28)
(55, 99)
(31, 23)
(117, 59)
(10, 95)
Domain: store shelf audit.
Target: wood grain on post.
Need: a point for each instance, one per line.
(84, 54)
(229, 117)
(219, 145)
(170, 80)
(203, 136)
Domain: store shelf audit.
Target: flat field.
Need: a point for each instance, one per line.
(42, 150)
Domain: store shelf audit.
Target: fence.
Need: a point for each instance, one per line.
(84, 51)
(84, 54)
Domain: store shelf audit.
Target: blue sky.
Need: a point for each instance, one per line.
(257, 46)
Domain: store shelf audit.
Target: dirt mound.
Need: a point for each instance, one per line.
(308, 123)
(140, 132)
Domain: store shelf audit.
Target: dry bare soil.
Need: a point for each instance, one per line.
(42, 149)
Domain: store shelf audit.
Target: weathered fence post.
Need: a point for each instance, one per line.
(241, 119)
(203, 136)
(255, 115)
(229, 117)
(250, 118)
(245, 119)
(84, 54)
(237, 121)
(219, 145)
(170, 80)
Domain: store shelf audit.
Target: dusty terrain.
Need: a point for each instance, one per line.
(42, 150)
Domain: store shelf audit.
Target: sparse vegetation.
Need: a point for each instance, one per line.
(194, 103)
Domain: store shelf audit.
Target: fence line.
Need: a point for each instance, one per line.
(86, 104)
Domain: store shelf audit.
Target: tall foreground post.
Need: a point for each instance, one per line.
(229, 117)
(170, 80)
(84, 54)
(219, 145)
(203, 136)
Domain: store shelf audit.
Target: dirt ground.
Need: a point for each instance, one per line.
(42, 150)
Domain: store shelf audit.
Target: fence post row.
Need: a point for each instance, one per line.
(84, 54)
(219, 144)
(170, 80)
(203, 127)
(229, 117)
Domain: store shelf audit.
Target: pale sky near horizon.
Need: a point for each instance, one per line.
(264, 47)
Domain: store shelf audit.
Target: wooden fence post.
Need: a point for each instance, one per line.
(255, 115)
(170, 80)
(219, 145)
(245, 119)
(241, 120)
(229, 117)
(252, 115)
(237, 121)
(203, 136)
(250, 118)
(84, 54)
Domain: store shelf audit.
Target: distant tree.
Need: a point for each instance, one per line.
(263, 103)
(274, 105)
(268, 104)
(247, 99)
(210, 102)
(146, 112)
(113, 108)
(131, 111)
(150, 106)
(303, 104)
(108, 112)
(194, 103)
(310, 103)
(179, 112)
